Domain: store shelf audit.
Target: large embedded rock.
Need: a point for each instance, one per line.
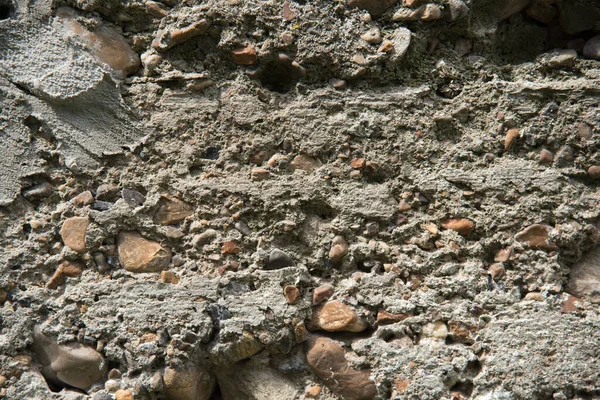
(138, 254)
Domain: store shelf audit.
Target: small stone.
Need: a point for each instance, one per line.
(568, 305)
(372, 36)
(3, 380)
(584, 130)
(431, 12)
(374, 7)
(427, 12)
(167, 39)
(204, 238)
(339, 248)
(357, 163)
(403, 205)
(279, 259)
(168, 277)
(321, 294)
(510, 138)
(260, 174)
(334, 316)
(458, 9)
(594, 172)
(244, 55)
(38, 191)
(506, 8)
(536, 237)
(292, 294)
(591, 49)
(534, 296)
(133, 197)
(496, 271)
(461, 332)
(83, 199)
(313, 391)
(73, 233)
(338, 84)
(155, 9)
(138, 254)
(304, 163)
(461, 225)
(462, 47)
(503, 255)
(123, 394)
(106, 191)
(72, 363)
(541, 11)
(288, 13)
(546, 156)
(105, 43)
(172, 210)
(384, 317)
(242, 227)
(432, 229)
(327, 359)
(559, 58)
(355, 174)
(188, 384)
(230, 247)
(386, 46)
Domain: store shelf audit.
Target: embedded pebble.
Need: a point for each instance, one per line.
(279, 259)
(138, 254)
(73, 233)
(335, 316)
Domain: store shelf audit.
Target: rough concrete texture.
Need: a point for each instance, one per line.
(294, 199)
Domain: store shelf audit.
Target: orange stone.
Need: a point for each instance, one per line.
(461, 225)
(138, 254)
(230, 248)
(292, 294)
(496, 271)
(73, 233)
(83, 199)
(384, 317)
(511, 137)
(335, 316)
(357, 163)
(244, 55)
(67, 269)
(536, 237)
(569, 305)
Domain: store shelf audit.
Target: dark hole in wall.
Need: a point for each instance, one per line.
(464, 387)
(6, 10)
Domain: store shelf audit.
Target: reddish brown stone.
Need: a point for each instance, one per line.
(461, 332)
(83, 199)
(138, 254)
(357, 163)
(569, 305)
(461, 225)
(496, 271)
(260, 174)
(73, 233)
(594, 172)
(335, 316)
(339, 248)
(172, 210)
(230, 248)
(304, 163)
(503, 255)
(384, 317)
(67, 269)
(536, 236)
(292, 294)
(546, 157)
(327, 359)
(510, 138)
(321, 294)
(244, 55)
(288, 13)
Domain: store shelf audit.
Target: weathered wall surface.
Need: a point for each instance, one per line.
(358, 199)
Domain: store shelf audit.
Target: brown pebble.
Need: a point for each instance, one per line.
(546, 157)
(73, 233)
(404, 206)
(537, 236)
(339, 248)
(244, 55)
(83, 199)
(292, 294)
(568, 305)
(67, 269)
(461, 225)
(503, 255)
(496, 271)
(168, 277)
(260, 174)
(230, 248)
(510, 138)
(386, 46)
(321, 294)
(313, 391)
(123, 394)
(594, 172)
(357, 163)
(534, 296)
(384, 317)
